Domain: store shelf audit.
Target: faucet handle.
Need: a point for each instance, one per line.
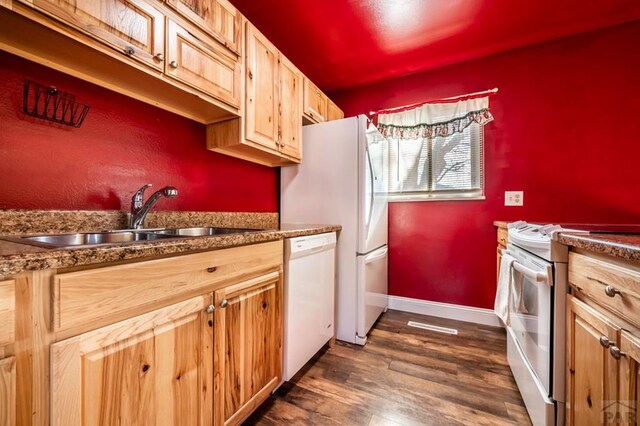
(136, 200)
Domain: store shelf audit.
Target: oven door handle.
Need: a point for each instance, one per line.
(539, 277)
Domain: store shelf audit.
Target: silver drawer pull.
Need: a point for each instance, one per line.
(605, 342)
(616, 352)
(210, 309)
(212, 269)
(173, 64)
(224, 303)
(611, 291)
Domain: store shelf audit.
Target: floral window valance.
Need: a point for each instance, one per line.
(430, 120)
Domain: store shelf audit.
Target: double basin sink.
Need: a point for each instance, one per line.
(81, 239)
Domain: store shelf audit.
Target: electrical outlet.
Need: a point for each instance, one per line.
(513, 198)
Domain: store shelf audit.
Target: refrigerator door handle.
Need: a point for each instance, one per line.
(378, 254)
(371, 176)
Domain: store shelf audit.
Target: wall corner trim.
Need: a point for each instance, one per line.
(445, 310)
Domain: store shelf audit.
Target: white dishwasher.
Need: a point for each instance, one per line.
(309, 296)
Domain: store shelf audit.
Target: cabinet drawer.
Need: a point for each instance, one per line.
(101, 295)
(503, 236)
(133, 27)
(315, 102)
(7, 312)
(615, 287)
(204, 66)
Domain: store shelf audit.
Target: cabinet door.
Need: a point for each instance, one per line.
(217, 17)
(154, 369)
(248, 346)
(333, 112)
(315, 102)
(290, 105)
(203, 66)
(8, 391)
(592, 375)
(7, 313)
(133, 27)
(629, 395)
(261, 106)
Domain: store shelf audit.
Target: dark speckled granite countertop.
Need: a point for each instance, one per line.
(625, 246)
(16, 258)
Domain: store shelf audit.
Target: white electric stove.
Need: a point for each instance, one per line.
(536, 336)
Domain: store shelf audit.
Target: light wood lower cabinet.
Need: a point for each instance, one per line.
(8, 391)
(248, 346)
(629, 390)
(7, 362)
(192, 340)
(503, 240)
(603, 341)
(152, 369)
(592, 373)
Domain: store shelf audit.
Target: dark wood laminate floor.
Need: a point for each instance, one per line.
(403, 376)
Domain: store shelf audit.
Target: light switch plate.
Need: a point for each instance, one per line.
(513, 198)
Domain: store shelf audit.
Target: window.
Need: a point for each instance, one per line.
(441, 167)
(434, 149)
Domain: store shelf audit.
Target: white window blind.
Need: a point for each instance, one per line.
(439, 167)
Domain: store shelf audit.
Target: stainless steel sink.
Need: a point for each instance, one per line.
(82, 239)
(204, 231)
(87, 238)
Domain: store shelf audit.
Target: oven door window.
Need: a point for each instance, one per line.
(531, 324)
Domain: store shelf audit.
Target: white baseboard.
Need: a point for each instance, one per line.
(445, 310)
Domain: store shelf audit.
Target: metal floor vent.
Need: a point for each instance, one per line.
(432, 327)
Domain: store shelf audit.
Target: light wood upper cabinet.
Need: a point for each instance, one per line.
(315, 102)
(270, 130)
(592, 373)
(317, 107)
(152, 369)
(133, 27)
(248, 346)
(290, 104)
(218, 18)
(333, 111)
(204, 66)
(261, 88)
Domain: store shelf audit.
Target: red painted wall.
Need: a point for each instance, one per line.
(122, 145)
(565, 132)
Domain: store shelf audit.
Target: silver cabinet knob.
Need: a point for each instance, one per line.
(605, 342)
(173, 64)
(159, 57)
(129, 51)
(224, 303)
(611, 291)
(616, 352)
(210, 309)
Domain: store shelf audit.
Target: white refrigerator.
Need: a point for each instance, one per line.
(343, 180)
